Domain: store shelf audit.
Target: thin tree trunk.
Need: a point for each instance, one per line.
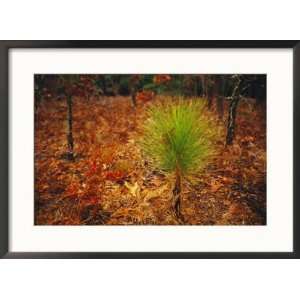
(231, 120)
(220, 97)
(211, 90)
(197, 87)
(209, 101)
(70, 154)
(220, 106)
(133, 98)
(177, 196)
(104, 85)
(204, 89)
(133, 91)
(259, 95)
(232, 111)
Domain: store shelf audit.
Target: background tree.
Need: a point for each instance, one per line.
(210, 86)
(39, 88)
(220, 87)
(234, 100)
(133, 87)
(70, 84)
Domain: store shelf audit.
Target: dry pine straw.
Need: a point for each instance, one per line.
(111, 183)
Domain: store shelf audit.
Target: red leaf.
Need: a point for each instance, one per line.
(115, 175)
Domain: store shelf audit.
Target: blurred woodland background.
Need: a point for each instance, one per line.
(150, 149)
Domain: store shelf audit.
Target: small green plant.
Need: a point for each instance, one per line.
(179, 139)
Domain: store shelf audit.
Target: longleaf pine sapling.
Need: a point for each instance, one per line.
(179, 139)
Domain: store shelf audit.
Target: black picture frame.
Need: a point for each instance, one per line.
(5, 46)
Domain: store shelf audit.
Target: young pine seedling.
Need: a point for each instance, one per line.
(179, 139)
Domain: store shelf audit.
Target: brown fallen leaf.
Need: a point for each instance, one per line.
(215, 185)
(134, 189)
(149, 194)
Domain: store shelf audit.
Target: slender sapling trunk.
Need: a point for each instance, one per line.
(70, 153)
(232, 112)
(220, 82)
(177, 195)
(211, 91)
(231, 120)
(133, 97)
(220, 106)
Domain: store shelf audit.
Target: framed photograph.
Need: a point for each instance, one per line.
(149, 149)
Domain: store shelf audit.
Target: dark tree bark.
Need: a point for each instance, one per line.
(204, 85)
(104, 85)
(231, 120)
(209, 101)
(232, 111)
(211, 90)
(220, 106)
(133, 83)
(70, 153)
(133, 96)
(220, 97)
(177, 196)
(260, 86)
(198, 86)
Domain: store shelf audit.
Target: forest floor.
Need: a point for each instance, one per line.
(110, 182)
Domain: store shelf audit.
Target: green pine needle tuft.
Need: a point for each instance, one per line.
(178, 136)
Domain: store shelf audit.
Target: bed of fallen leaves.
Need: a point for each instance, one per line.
(110, 182)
